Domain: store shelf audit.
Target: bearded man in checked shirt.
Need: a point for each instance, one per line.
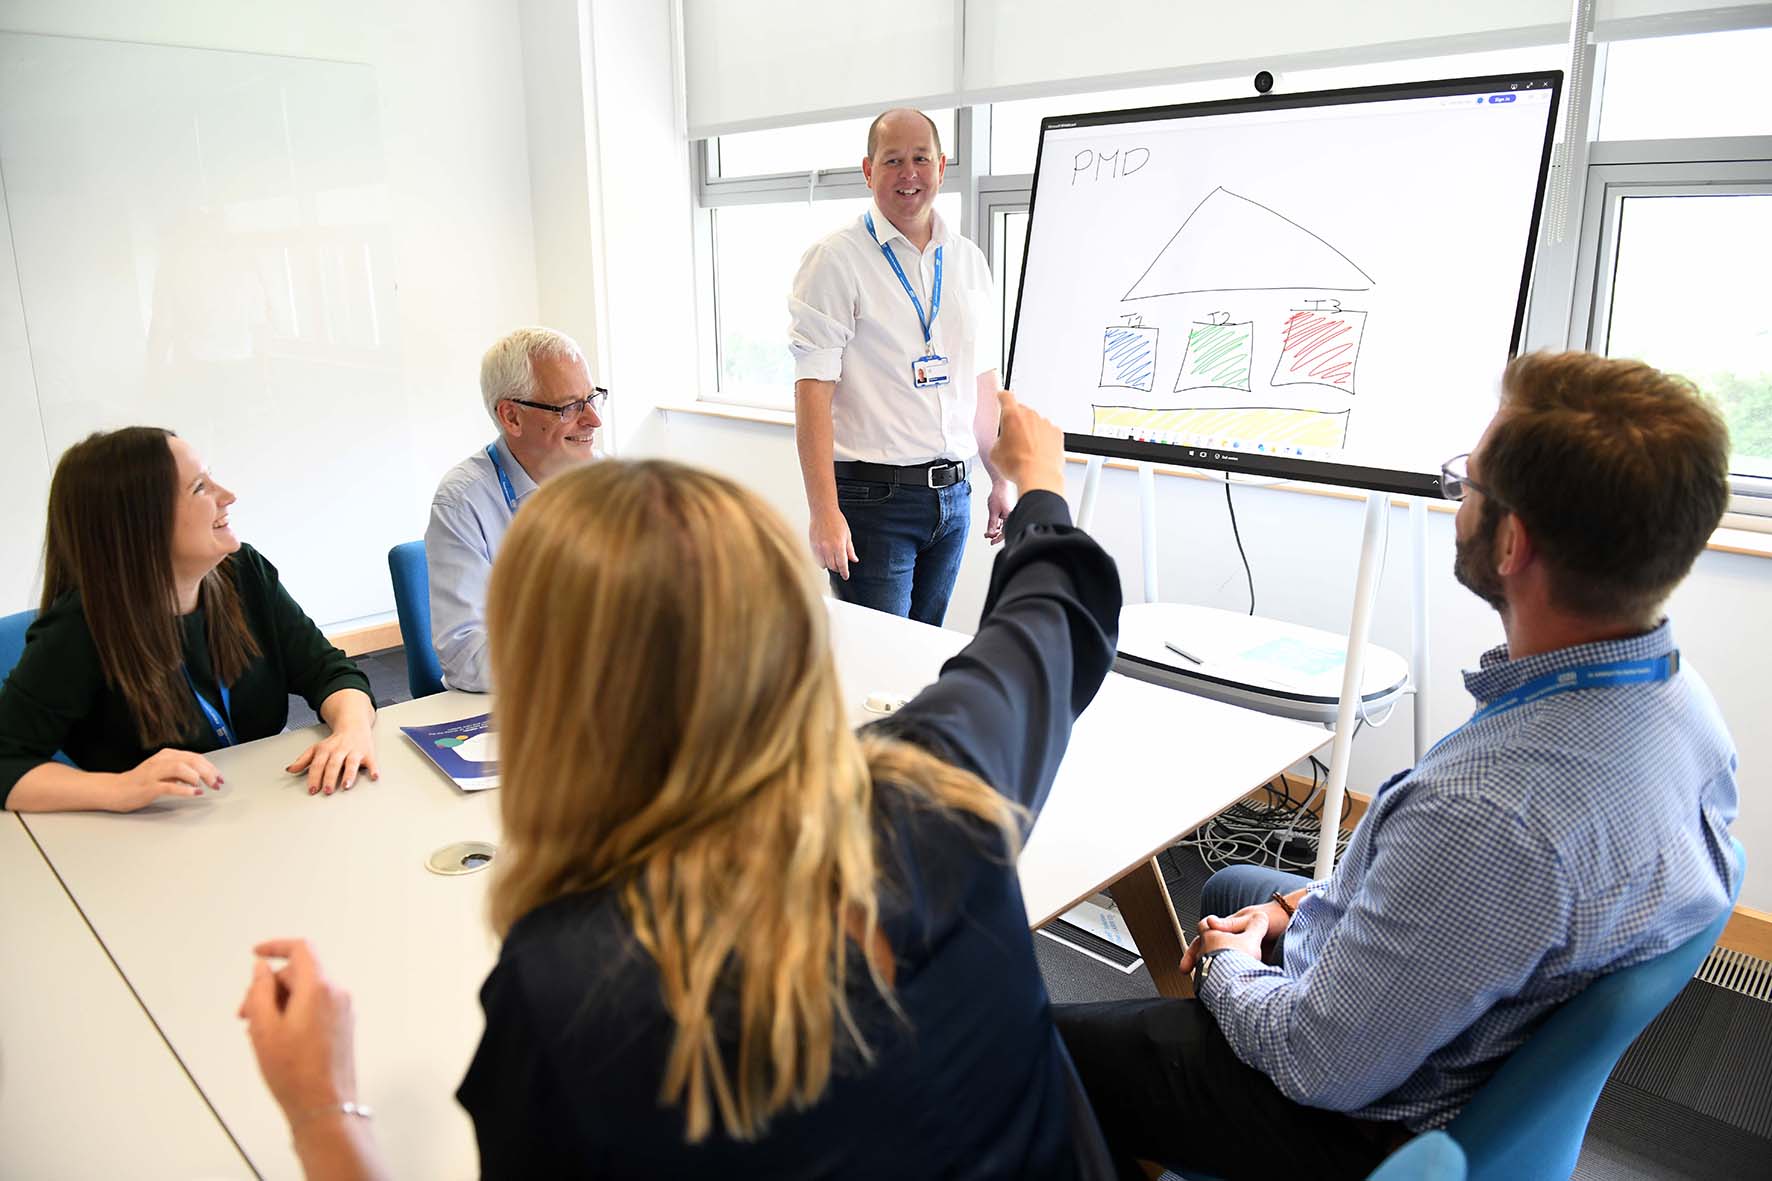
(1577, 824)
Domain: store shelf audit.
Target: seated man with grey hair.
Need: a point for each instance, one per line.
(539, 392)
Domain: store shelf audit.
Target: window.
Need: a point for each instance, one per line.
(1009, 237)
(1709, 84)
(1687, 293)
(757, 250)
(824, 146)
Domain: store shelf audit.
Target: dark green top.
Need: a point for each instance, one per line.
(56, 697)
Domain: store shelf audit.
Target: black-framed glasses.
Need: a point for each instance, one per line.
(568, 411)
(1455, 478)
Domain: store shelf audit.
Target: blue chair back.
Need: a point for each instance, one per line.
(12, 639)
(1431, 1156)
(412, 604)
(1529, 1119)
(12, 646)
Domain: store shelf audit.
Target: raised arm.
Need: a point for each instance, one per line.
(1004, 706)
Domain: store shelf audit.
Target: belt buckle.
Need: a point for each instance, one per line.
(929, 475)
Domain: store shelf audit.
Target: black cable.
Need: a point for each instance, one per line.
(1247, 573)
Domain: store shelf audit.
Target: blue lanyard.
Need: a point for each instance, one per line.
(1587, 676)
(222, 723)
(934, 293)
(504, 481)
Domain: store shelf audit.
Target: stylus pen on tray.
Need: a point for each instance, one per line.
(1182, 652)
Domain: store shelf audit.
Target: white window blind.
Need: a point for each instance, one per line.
(751, 64)
(1021, 43)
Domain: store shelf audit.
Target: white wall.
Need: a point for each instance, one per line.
(609, 153)
(1303, 551)
(450, 81)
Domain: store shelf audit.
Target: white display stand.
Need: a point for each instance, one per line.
(1276, 667)
(1266, 664)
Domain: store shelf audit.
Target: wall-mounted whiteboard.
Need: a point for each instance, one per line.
(201, 241)
(1321, 286)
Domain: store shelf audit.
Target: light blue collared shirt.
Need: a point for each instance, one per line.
(1528, 853)
(469, 517)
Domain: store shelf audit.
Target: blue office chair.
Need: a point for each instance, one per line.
(12, 646)
(412, 603)
(1529, 1119)
(12, 639)
(1431, 1156)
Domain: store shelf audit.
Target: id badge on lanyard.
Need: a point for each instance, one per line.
(221, 721)
(504, 481)
(929, 370)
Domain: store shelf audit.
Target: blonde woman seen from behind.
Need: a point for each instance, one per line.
(737, 936)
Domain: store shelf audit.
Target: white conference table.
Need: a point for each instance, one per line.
(179, 892)
(86, 1081)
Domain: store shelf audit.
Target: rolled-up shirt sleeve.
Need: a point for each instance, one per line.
(459, 561)
(821, 315)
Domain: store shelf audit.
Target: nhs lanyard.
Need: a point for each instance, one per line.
(221, 723)
(1587, 676)
(934, 292)
(504, 481)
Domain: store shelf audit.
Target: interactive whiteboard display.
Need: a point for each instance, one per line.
(1318, 286)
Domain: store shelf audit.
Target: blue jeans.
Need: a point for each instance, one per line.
(908, 541)
(1236, 886)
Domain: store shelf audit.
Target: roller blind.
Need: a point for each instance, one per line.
(769, 63)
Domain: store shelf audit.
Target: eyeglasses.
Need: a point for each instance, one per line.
(1455, 478)
(570, 410)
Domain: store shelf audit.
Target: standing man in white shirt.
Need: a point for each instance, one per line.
(539, 392)
(895, 359)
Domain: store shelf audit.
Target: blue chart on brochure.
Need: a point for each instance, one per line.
(466, 751)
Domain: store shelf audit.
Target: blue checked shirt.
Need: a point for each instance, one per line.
(1529, 852)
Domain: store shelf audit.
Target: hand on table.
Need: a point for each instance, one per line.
(332, 762)
(164, 773)
(997, 511)
(831, 543)
(300, 1025)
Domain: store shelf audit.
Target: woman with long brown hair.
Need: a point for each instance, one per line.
(160, 638)
(739, 939)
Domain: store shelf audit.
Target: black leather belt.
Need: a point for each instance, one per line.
(942, 473)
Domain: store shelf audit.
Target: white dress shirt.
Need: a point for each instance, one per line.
(852, 323)
(469, 518)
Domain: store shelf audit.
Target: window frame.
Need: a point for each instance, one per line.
(1009, 193)
(714, 192)
(1617, 169)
